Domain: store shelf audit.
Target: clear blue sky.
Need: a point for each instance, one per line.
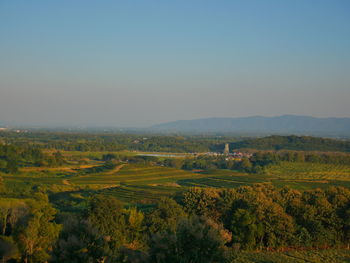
(136, 63)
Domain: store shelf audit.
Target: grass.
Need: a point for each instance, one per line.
(316, 256)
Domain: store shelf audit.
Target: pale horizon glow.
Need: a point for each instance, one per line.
(139, 63)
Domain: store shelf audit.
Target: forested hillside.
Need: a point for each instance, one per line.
(300, 143)
(72, 141)
(285, 124)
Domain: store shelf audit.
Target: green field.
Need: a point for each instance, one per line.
(134, 174)
(317, 171)
(143, 183)
(137, 183)
(321, 256)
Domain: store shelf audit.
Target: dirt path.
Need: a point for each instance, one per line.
(60, 168)
(113, 171)
(66, 182)
(116, 169)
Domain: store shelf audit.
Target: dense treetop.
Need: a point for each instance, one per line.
(301, 143)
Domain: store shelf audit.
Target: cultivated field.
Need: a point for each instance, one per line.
(145, 183)
(310, 171)
(321, 256)
(134, 184)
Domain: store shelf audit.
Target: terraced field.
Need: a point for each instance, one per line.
(310, 171)
(135, 183)
(324, 256)
(224, 178)
(134, 174)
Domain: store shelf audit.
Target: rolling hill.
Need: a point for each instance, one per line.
(285, 124)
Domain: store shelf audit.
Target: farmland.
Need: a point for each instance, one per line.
(196, 187)
(318, 171)
(144, 183)
(326, 256)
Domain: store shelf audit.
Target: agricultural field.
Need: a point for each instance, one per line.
(319, 171)
(321, 256)
(135, 182)
(134, 174)
(145, 183)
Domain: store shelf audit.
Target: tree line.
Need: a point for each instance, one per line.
(200, 225)
(12, 157)
(256, 163)
(295, 143)
(116, 142)
(75, 141)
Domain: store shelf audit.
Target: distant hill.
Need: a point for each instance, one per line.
(286, 124)
(298, 143)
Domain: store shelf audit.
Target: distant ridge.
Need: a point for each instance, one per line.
(285, 124)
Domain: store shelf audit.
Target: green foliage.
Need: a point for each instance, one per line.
(119, 227)
(11, 211)
(200, 201)
(194, 240)
(3, 164)
(246, 229)
(299, 143)
(109, 142)
(264, 217)
(12, 157)
(8, 248)
(12, 166)
(81, 242)
(38, 234)
(219, 208)
(301, 256)
(106, 214)
(165, 215)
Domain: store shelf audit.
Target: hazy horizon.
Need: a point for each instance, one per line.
(139, 63)
(151, 126)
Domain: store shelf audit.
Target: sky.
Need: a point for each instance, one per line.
(141, 62)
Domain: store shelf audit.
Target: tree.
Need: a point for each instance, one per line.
(38, 235)
(244, 165)
(12, 166)
(11, 211)
(246, 229)
(165, 215)
(8, 249)
(201, 201)
(134, 229)
(106, 215)
(109, 157)
(59, 158)
(3, 164)
(81, 242)
(193, 241)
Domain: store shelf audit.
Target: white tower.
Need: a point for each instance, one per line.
(227, 148)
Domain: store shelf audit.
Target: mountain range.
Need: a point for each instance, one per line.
(285, 124)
